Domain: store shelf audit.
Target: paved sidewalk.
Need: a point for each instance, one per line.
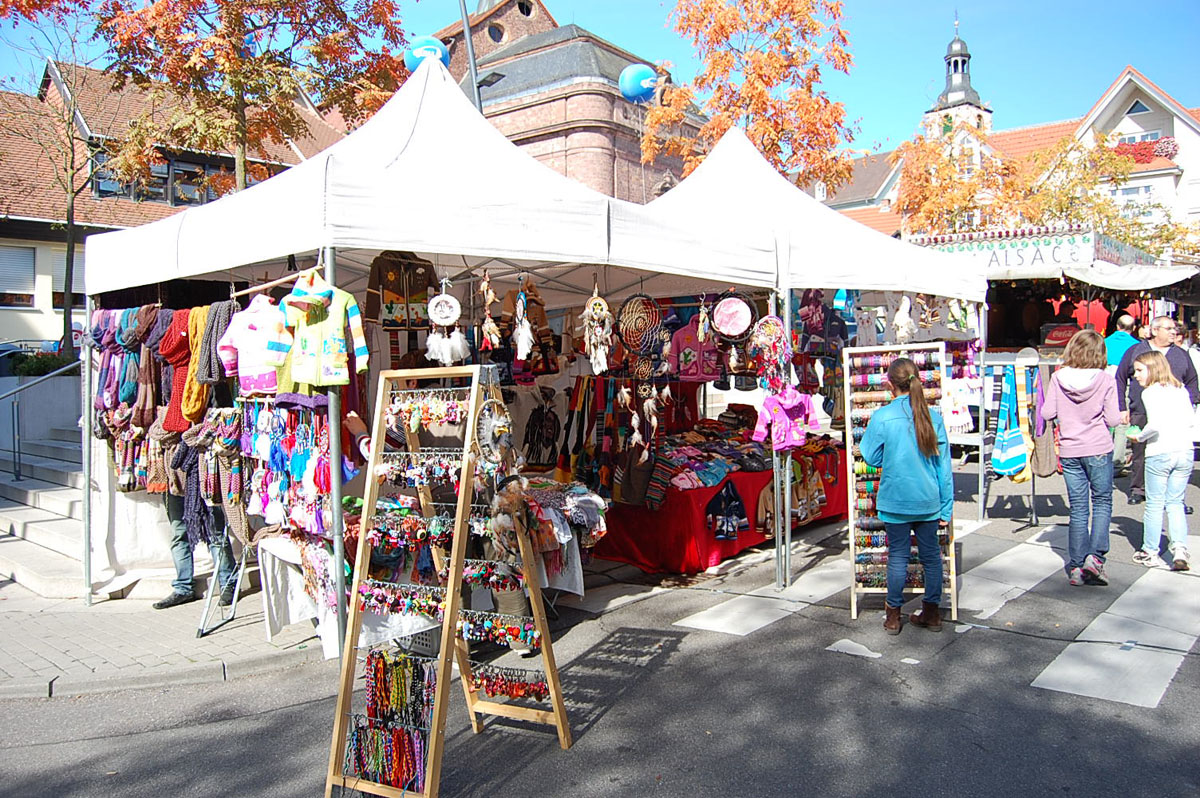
(61, 647)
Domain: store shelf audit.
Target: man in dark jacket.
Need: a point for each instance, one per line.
(1129, 391)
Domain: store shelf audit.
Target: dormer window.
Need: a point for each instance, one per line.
(1138, 107)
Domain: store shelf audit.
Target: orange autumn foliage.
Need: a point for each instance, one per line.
(761, 65)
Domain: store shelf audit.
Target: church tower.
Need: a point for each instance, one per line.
(959, 103)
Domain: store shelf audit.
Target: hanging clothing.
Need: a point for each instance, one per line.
(319, 313)
(208, 366)
(176, 351)
(398, 291)
(725, 514)
(790, 414)
(691, 359)
(195, 394)
(255, 345)
(150, 378)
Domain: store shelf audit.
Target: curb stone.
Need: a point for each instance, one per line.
(257, 664)
(38, 687)
(162, 676)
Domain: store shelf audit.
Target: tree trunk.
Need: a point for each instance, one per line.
(239, 149)
(68, 343)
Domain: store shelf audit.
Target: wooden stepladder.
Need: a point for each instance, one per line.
(452, 645)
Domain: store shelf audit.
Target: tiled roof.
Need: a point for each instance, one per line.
(868, 175)
(1024, 141)
(107, 111)
(1153, 166)
(886, 222)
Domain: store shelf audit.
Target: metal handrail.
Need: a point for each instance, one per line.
(16, 413)
(69, 367)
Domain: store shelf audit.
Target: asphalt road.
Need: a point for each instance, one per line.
(658, 709)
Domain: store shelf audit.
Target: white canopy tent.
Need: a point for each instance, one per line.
(737, 192)
(429, 174)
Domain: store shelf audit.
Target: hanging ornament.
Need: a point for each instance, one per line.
(493, 431)
(522, 329)
(489, 330)
(771, 350)
(704, 324)
(446, 344)
(597, 323)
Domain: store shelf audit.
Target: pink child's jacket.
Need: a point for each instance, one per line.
(789, 415)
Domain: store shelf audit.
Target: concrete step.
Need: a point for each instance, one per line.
(57, 499)
(65, 451)
(55, 471)
(53, 532)
(65, 434)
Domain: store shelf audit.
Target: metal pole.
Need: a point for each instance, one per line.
(466, 19)
(85, 406)
(335, 477)
(983, 400)
(787, 465)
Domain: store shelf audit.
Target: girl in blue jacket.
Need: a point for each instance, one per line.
(916, 492)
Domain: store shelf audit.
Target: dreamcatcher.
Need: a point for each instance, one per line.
(733, 318)
(489, 338)
(446, 344)
(494, 432)
(522, 329)
(597, 323)
(640, 328)
(772, 352)
(704, 321)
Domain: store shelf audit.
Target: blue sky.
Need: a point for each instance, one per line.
(1033, 61)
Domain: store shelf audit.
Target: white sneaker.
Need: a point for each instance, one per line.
(1180, 559)
(1143, 557)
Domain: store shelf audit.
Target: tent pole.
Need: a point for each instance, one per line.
(335, 477)
(466, 20)
(85, 407)
(786, 312)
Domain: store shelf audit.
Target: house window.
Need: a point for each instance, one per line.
(104, 183)
(60, 271)
(1138, 107)
(155, 187)
(16, 276)
(947, 124)
(525, 7)
(495, 33)
(1134, 138)
(187, 183)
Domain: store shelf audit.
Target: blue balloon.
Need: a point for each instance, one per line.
(424, 47)
(637, 83)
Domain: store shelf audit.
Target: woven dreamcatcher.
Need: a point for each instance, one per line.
(640, 328)
(733, 318)
(596, 322)
(494, 431)
(771, 350)
(522, 329)
(446, 344)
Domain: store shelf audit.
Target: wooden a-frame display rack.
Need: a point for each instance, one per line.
(451, 644)
(853, 458)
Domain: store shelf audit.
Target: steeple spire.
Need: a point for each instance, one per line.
(958, 89)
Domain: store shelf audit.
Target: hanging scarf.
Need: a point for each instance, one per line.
(208, 365)
(197, 519)
(150, 371)
(176, 351)
(195, 395)
(132, 346)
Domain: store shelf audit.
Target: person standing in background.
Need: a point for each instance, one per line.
(1082, 395)
(1129, 392)
(1167, 438)
(916, 492)
(1115, 347)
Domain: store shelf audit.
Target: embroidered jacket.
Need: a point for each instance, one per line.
(692, 360)
(318, 314)
(255, 345)
(788, 415)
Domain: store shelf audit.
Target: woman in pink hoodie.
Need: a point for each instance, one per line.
(1083, 397)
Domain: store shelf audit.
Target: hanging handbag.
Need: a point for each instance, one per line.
(1022, 381)
(1009, 455)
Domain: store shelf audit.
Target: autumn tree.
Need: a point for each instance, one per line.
(761, 65)
(224, 75)
(39, 115)
(959, 182)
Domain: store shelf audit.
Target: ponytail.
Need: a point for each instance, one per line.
(903, 375)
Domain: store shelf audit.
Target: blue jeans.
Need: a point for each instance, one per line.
(1088, 479)
(181, 550)
(1167, 478)
(899, 538)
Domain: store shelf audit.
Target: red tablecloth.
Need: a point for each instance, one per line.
(675, 538)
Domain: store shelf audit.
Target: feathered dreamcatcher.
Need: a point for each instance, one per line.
(522, 329)
(494, 431)
(733, 318)
(640, 327)
(446, 344)
(771, 350)
(489, 338)
(597, 325)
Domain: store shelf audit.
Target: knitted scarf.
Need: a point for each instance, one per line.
(175, 350)
(196, 517)
(149, 372)
(208, 365)
(195, 395)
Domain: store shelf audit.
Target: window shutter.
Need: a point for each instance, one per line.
(60, 268)
(17, 269)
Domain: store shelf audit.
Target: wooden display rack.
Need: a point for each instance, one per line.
(451, 644)
(949, 560)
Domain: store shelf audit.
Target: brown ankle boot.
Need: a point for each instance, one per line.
(930, 617)
(891, 624)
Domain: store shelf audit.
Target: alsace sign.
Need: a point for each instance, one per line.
(1028, 257)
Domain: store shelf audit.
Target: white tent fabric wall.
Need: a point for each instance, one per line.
(429, 174)
(1133, 277)
(736, 191)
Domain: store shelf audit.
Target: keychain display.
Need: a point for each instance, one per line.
(412, 410)
(286, 453)
(490, 574)
(390, 598)
(418, 469)
(508, 682)
(498, 628)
